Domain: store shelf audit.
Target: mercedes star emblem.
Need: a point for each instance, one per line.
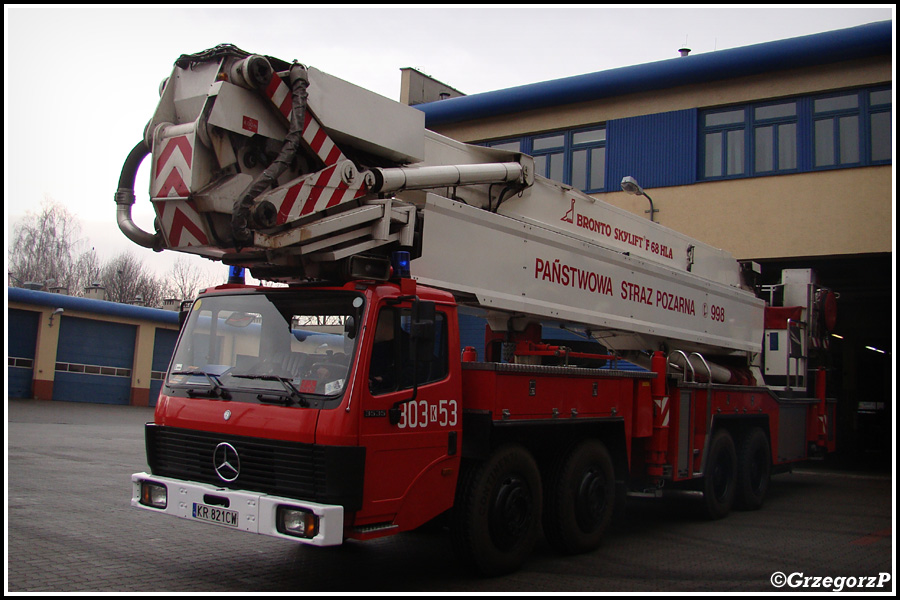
(226, 462)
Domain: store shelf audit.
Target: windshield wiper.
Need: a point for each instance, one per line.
(293, 394)
(216, 389)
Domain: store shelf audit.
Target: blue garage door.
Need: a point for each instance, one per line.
(94, 361)
(21, 342)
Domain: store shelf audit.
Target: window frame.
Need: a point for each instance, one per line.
(758, 123)
(834, 116)
(567, 150)
(399, 358)
(873, 109)
(804, 121)
(724, 129)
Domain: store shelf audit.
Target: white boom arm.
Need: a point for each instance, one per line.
(293, 173)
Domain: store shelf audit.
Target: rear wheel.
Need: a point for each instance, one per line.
(720, 478)
(497, 513)
(579, 498)
(754, 470)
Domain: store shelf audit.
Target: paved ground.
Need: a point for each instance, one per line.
(70, 528)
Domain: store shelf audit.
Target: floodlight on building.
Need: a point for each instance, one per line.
(630, 185)
(58, 311)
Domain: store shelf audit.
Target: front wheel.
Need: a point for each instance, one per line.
(497, 512)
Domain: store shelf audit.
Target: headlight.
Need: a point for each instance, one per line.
(296, 522)
(153, 494)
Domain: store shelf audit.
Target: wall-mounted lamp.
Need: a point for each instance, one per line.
(630, 185)
(58, 311)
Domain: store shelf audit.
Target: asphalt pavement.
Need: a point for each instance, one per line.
(70, 528)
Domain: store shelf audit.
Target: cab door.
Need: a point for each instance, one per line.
(412, 459)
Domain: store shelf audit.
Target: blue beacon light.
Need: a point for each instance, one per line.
(400, 263)
(235, 274)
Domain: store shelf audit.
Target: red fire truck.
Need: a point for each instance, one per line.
(341, 404)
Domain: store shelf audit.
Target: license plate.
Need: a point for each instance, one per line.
(214, 514)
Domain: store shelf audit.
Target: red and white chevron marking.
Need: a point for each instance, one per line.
(173, 168)
(314, 192)
(662, 411)
(181, 223)
(313, 134)
(320, 142)
(280, 94)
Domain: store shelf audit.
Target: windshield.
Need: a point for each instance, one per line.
(287, 347)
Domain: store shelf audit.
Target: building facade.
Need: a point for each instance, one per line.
(781, 153)
(84, 350)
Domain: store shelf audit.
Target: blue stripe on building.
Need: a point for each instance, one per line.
(658, 150)
(864, 41)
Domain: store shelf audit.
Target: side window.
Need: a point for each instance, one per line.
(549, 154)
(575, 156)
(775, 137)
(723, 143)
(391, 368)
(512, 145)
(836, 130)
(589, 159)
(880, 125)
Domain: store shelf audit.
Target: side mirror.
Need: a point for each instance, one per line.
(421, 348)
(422, 331)
(184, 311)
(350, 327)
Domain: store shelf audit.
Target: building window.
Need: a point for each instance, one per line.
(575, 157)
(880, 115)
(846, 129)
(759, 140)
(589, 159)
(836, 130)
(549, 154)
(513, 146)
(723, 143)
(775, 137)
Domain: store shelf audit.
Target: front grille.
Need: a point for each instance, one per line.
(325, 474)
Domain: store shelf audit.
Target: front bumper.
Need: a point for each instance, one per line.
(246, 511)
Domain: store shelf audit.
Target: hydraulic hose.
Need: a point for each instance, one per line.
(241, 219)
(125, 199)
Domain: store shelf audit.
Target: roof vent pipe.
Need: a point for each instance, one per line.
(684, 51)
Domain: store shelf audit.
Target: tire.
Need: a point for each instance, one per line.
(754, 470)
(496, 520)
(720, 478)
(579, 498)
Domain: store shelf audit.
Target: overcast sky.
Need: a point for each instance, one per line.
(80, 83)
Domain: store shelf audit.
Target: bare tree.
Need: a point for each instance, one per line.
(127, 280)
(87, 272)
(44, 247)
(184, 280)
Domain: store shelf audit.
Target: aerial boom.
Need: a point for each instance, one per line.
(301, 176)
